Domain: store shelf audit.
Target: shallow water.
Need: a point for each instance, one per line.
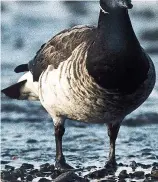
(27, 130)
(83, 146)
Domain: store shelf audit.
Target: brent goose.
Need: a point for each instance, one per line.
(92, 74)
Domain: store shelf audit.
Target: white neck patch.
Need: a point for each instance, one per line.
(105, 12)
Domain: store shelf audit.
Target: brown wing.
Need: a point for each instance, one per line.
(59, 48)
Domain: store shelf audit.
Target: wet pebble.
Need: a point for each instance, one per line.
(9, 168)
(40, 174)
(150, 180)
(44, 180)
(131, 175)
(139, 174)
(147, 175)
(19, 173)
(121, 180)
(97, 174)
(34, 172)
(120, 164)
(55, 174)
(27, 166)
(107, 180)
(69, 177)
(123, 174)
(155, 164)
(8, 175)
(29, 178)
(46, 167)
(154, 172)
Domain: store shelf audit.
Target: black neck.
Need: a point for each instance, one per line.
(115, 32)
(115, 58)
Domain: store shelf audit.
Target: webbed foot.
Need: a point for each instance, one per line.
(63, 166)
(111, 165)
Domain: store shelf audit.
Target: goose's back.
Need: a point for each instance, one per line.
(59, 48)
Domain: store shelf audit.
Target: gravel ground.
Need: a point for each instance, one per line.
(46, 172)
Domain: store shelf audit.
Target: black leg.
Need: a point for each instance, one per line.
(60, 159)
(110, 166)
(59, 132)
(112, 133)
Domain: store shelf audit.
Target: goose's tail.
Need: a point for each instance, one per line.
(25, 89)
(21, 68)
(14, 91)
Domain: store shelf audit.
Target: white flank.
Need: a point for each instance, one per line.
(30, 90)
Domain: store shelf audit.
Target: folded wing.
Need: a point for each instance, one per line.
(59, 48)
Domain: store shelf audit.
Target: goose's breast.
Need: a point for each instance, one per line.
(70, 91)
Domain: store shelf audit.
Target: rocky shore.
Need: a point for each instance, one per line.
(135, 172)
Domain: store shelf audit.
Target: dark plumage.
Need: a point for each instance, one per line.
(14, 90)
(21, 68)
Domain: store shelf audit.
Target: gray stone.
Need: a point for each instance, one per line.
(123, 174)
(139, 174)
(69, 177)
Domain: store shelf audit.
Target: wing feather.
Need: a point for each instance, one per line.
(59, 48)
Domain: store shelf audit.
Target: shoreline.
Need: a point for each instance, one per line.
(135, 172)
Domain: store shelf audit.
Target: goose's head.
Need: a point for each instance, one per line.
(115, 5)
